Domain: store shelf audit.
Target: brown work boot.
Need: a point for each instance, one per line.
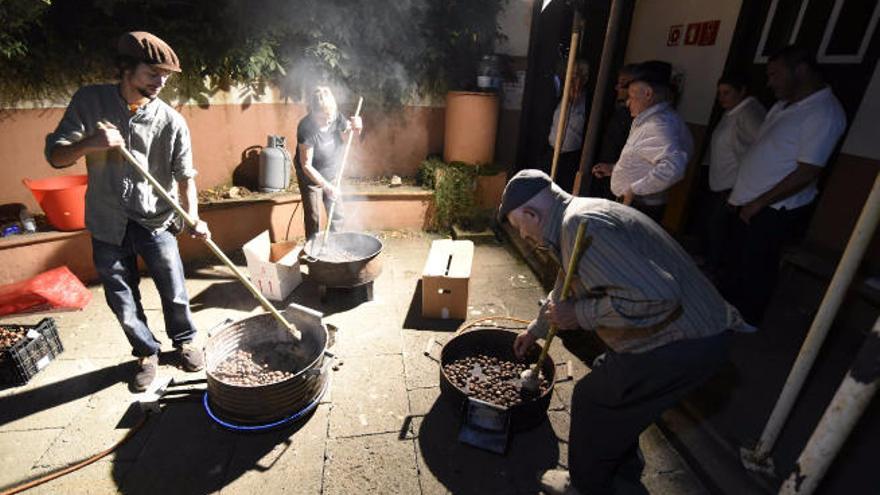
(191, 357)
(147, 372)
(557, 482)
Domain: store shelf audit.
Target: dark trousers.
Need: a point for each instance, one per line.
(619, 398)
(566, 168)
(719, 218)
(600, 187)
(754, 253)
(117, 268)
(654, 212)
(312, 197)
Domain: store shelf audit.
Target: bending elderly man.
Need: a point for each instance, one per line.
(664, 324)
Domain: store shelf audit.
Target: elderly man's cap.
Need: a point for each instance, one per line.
(149, 49)
(654, 72)
(525, 185)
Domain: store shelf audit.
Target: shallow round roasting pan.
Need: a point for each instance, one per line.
(496, 342)
(366, 267)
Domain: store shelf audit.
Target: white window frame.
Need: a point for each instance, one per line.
(823, 58)
(760, 58)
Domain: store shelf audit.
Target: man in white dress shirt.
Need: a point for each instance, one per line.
(776, 183)
(659, 145)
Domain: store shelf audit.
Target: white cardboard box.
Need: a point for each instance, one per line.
(273, 267)
(446, 279)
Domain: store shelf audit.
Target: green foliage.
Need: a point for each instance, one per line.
(461, 31)
(17, 17)
(454, 194)
(454, 186)
(386, 51)
(427, 174)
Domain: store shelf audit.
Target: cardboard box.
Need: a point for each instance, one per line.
(273, 267)
(446, 278)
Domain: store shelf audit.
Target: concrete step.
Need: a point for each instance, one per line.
(714, 460)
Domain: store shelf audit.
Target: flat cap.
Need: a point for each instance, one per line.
(654, 72)
(149, 49)
(520, 189)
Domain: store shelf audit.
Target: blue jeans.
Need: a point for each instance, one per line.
(117, 268)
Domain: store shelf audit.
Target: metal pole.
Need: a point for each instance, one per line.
(576, 27)
(757, 459)
(597, 108)
(841, 416)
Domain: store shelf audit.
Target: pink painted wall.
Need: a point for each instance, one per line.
(23, 257)
(392, 143)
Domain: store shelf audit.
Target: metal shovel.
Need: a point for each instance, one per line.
(216, 250)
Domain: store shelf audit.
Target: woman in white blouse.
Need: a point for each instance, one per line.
(737, 130)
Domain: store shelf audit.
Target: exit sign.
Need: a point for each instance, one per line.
(696, 33)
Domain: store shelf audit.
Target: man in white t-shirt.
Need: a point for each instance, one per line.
(776, 182)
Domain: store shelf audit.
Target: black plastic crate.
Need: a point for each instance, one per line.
(28, 356)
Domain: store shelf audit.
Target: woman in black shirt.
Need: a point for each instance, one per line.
(319, 148)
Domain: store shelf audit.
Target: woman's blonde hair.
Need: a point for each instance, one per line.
(322, 100)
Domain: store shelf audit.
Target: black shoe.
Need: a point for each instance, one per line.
(191, 357)
(147, 372)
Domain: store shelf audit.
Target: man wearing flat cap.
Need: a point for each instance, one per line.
(663, 323)
(658, 147)
(125, 216)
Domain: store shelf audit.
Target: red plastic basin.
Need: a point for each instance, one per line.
(63, 199)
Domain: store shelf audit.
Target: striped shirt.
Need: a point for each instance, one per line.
(635, 286)
(155, 133)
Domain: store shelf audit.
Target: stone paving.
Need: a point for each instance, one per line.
(383, 428)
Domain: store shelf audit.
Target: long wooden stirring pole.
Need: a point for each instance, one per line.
(562, 123)
(216, 250)
(580, 244)
(357, 113)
